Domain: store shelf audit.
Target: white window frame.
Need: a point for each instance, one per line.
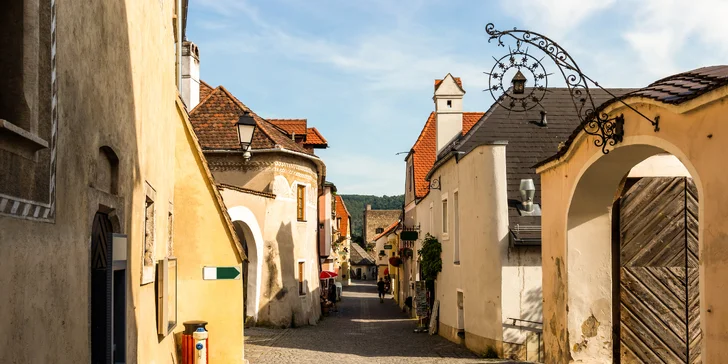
(445, 213)
(456, 227)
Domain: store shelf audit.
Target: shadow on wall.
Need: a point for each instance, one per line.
(284, 306)
(97, 119)
(532, 310)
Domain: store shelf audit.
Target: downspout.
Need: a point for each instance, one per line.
(178, 21)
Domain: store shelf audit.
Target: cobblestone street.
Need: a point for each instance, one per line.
(362, 331)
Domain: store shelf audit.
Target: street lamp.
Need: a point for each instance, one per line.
(246, 128)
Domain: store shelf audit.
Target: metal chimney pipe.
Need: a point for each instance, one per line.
(528, 191)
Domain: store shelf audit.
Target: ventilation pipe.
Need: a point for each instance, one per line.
(528, 191)
(543, 121)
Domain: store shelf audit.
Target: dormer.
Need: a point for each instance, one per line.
(448, 99)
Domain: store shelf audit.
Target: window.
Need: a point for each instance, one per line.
(379, 230)
(301, 212)
(444, 216)
(456, 229)
(149, 236)
(449, 103)
(338, 223)
(301, 287)
(25, 76)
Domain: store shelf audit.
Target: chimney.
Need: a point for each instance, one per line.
(528, 190)
(448, 109)
(369, 207)
(190, 87)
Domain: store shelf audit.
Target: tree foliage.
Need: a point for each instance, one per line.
(430, 258)
(356, 204)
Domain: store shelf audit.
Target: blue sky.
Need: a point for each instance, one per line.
(362, 71)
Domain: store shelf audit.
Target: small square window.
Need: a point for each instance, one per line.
(449, 103)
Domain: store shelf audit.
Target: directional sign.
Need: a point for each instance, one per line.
(214, 273)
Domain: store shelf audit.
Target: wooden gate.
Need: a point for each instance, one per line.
(659, 308)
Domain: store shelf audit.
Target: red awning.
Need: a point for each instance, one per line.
(327, 274)
(386, 271)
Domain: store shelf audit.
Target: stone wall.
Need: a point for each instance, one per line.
(374, 219)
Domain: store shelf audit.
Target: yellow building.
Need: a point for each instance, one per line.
(590, 196)
(102, 186)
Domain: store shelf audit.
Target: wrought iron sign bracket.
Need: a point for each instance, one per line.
(608, 130)
(435, 183)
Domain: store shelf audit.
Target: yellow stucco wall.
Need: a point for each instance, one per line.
(202, 237)
(116, 88)
(578, 191)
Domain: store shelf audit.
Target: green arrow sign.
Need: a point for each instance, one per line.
(214, 273)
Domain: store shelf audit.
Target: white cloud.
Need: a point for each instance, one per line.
(664, 33)
(554, 17)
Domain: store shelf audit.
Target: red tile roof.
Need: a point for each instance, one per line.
(314, 137)
(205, 90)
(343, 213)
(387, 230)
(214, 118)
(297, 126)
(457, 80)
(424, 150)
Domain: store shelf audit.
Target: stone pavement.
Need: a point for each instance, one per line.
(363, 331)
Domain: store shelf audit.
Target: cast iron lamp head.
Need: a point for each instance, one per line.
(246, 128)
(519, 83)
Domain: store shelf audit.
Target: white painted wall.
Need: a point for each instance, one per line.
(449, 118)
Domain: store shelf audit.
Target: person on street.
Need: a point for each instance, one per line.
(380, 288)
(332, 296)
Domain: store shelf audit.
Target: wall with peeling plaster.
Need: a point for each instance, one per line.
(577, 229)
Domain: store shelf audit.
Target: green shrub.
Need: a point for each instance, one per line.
(430, 258)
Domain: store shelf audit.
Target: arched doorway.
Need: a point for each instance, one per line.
(632, 259)
(248, 232)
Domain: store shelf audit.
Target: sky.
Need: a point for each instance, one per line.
(362, 71)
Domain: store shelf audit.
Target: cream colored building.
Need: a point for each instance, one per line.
(95, 141)
(272, 199)
(583, 299)
(471, 183)
(341, 244)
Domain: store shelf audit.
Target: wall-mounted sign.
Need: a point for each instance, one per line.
(388, 246)
(215, 273)
(409, 235)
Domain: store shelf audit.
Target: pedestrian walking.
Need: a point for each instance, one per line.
(332, 296)
(380, 288)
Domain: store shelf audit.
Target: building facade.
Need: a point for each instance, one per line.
(98, 162)
(273, 200)
(589, 306)
(376, 221)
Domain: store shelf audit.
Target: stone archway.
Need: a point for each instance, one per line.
(592, 258)
(249, 233)
(579, 187)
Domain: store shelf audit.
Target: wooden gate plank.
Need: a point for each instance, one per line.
(658, 284)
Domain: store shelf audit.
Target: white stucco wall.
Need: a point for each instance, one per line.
(449, 118)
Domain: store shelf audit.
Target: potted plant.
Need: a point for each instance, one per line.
(395, 261)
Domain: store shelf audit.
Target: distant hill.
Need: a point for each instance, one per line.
(357, 203)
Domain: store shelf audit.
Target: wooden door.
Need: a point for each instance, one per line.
(659, 310)
(101, 290)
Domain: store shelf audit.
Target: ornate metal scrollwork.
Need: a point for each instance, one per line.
(609, 131)
(435, 184)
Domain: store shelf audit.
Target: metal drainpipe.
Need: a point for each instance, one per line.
(179, 43)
